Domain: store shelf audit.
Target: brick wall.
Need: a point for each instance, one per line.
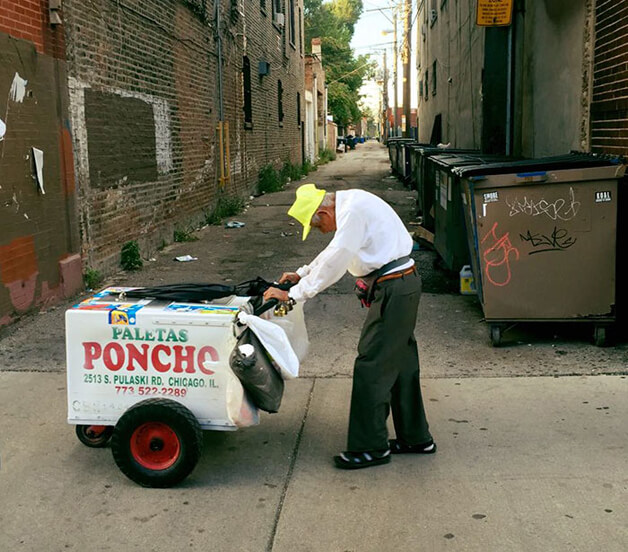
(29, 19)
(609, 109)
(145, 106)
(39, 260)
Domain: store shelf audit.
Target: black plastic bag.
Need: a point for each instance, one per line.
(263, 384)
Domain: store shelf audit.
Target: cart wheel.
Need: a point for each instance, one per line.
(496, 335)
(600, 336)
(157, 443)
(93, 435)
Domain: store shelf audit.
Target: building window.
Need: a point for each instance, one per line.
(427, 84)
(420, 89)
(280, 102)
(293, 31)
(246, 85)
(262, 6)
(278, 17)
(299, 109)
(433, 12)
(301, 47)
(434, 78)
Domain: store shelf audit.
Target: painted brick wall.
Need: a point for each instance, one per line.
(39, 245)
(143, 79)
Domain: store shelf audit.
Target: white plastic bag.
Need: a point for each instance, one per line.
(294, 325)
(276, 343)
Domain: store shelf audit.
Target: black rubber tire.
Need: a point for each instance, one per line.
(89, 440)
(496, 335)
(179, 420)
(600, 336)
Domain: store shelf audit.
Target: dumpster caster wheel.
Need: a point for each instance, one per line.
(157, 443)
(94, 436)
(496, 335)
(600, 336)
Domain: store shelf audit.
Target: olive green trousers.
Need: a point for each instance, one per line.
(386, 371)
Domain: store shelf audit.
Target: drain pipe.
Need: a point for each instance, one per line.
(219, 46)
(509, 91)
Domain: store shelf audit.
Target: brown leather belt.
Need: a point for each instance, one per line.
(399, 274)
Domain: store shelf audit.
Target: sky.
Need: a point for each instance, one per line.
(368, 38)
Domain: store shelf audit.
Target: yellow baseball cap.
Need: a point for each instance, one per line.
(309, 198)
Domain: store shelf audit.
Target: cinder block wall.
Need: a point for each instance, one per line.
(39, 245)
(144, 105)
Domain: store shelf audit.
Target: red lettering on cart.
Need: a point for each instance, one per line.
(135, 355)
(108, 358)
(156, 361)
(162, 358)
(202, 354)
(93, 351)
(181, 358)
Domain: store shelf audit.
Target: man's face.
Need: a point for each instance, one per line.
(325, 220)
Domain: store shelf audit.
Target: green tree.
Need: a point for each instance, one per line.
(334, 22)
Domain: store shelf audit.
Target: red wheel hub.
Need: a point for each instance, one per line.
(155, 446)
(95, 431)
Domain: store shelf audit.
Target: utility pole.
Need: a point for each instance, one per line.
(405, 57)
(385, 130)
(395, 83)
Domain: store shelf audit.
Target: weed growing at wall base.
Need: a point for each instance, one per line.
(326, 155)
(269, 180)
(226, 206)
(130, 257)
(92, 278)
(184, 236)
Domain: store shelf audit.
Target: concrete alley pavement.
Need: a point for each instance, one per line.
(525, 461)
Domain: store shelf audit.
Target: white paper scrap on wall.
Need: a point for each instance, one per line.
(38, 158)
(3, 130)
(18, 89)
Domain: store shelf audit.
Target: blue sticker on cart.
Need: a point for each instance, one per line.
(203, 309)
(126, 316)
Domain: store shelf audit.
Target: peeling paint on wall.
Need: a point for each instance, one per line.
(3, 129)
(18, 89)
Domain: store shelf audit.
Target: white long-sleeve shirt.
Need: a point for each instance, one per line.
(369, 234)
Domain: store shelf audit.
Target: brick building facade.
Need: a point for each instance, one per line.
(150, 82)
(39, 245)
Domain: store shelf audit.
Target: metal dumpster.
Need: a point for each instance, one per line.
(424, 178)
(543, 240)
(397, 155)
(403, 162)
(450, 236)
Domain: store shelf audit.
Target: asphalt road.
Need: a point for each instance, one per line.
(532, 436)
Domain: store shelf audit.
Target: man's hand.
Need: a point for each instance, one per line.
(274, 293)
(291, 277)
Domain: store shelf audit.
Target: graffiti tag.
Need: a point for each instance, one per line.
(497, 257)
(560, 209)
(558, 240)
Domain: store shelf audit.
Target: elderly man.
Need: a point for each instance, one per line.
(371, 243)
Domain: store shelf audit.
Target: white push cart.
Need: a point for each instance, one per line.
(149, 375)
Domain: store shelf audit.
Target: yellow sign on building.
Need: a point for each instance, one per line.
(494, 13)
